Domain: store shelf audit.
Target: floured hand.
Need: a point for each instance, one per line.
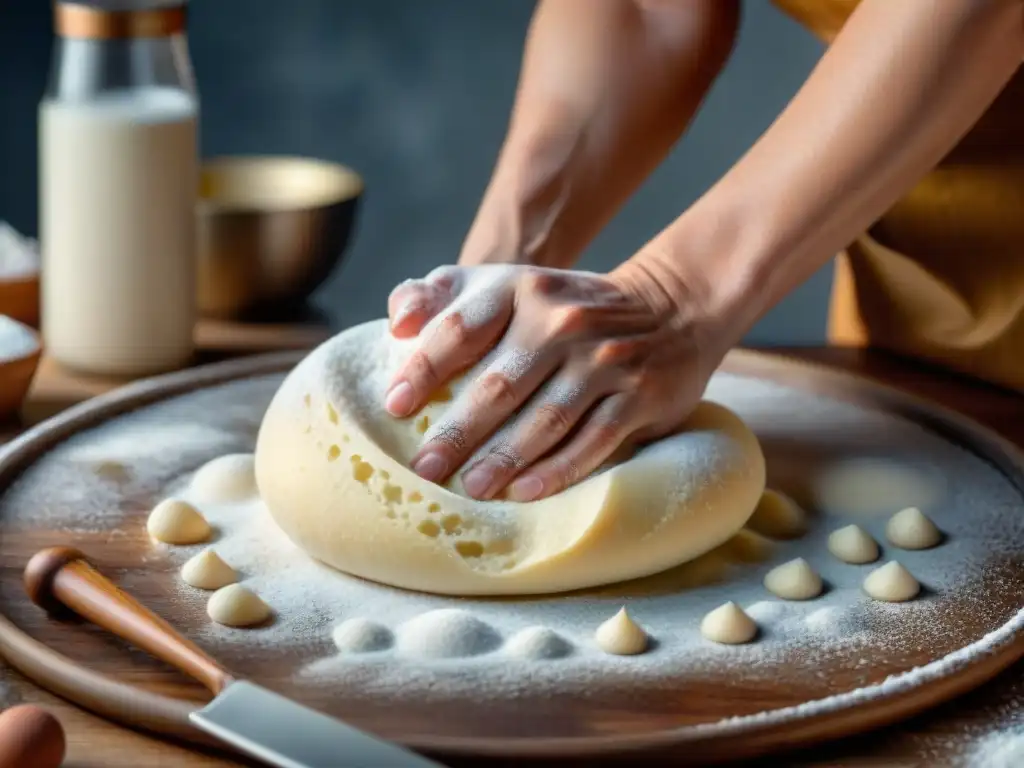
(581, 365)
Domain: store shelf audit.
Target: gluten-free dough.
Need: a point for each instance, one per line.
(236, 606)
(621, 636)
(852, 544)
(175, 521)
(207, 570)
(332, 468)
(892, 583)
(794, 580)
(728, 624)
(910, 528)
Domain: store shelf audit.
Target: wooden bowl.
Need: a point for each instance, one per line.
(19, 298)
(270, 231)
(20, 350)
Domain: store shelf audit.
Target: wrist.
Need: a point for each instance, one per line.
(709, 270)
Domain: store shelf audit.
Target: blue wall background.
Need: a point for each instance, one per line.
(415, 96)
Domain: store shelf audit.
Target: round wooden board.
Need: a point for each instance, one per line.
(694, 721)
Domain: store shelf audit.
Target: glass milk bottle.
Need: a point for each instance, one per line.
(118, 184)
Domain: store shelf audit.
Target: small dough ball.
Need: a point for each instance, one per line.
(208, 571)
(795, 580)
(31, 737)
(621, 636)
(892, 583)
(236, 606)
(911, 529)
(174, 521)
(778, 517)
(854, 545)
(359, 635)
(728, 624)
(225, 480)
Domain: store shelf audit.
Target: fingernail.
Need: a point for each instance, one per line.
(431, 467)
(399, 399)
(526, 488)
(478, 480)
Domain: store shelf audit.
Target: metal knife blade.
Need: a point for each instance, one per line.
(276, 730)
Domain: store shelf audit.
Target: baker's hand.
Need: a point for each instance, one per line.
(581, 364)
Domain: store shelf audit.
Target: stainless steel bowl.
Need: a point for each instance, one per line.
(270, 231)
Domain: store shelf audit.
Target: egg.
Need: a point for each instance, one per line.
(29, 735)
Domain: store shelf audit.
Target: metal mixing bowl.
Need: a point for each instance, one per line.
(270, 231)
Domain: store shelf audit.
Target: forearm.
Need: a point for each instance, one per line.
(903, 82)
(605, 89)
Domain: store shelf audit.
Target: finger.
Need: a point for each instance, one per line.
(485, 405)
(602, 433)
(413, 303)
(545, 422)
(451, 346)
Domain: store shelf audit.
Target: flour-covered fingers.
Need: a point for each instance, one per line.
(487, 403)
(543, 423)
(450, 346)
(603, 432)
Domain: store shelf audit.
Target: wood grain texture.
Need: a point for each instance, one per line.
(119, 664)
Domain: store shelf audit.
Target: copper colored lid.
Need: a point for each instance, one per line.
(75, 19)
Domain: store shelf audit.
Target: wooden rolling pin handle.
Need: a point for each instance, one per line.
(61, 577)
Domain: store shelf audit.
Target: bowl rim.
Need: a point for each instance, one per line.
(208, 205)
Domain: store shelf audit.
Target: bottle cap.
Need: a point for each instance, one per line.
(113, 20)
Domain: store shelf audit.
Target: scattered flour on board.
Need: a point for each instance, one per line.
(108, 478)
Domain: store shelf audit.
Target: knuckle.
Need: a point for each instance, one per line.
(568, 472)
(449, 435)
(569, 321)
(553, 418)
(454, 330)
(494, 390)
(422, 372)
(505, 455)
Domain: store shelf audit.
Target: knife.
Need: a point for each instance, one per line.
(254, 720)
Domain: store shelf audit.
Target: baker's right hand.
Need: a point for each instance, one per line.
(582, 365)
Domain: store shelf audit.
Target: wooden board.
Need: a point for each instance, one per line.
(680, 725)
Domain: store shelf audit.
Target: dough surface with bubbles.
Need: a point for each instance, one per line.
(332, 467)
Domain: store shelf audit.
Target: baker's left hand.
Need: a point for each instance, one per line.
(581, 365)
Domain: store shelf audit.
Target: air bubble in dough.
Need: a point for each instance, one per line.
(359, 635)
(225, 479)
(911, 529)
(236, 606)
(538, 643)
(892, 583)
(621, 636)
(357, 505)
(854, 545)
(208, 571)
(778, 517)
(728, 624)
(175, 521)
(795, 580)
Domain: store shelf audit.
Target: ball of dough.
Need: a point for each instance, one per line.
(621, 636)
(536, 643)
(236, 606)
(854, 545)
(778, 517)
(333, 469)
(360, 635)
(728, 624)
(912, 529)
(225, 480)
(795, 580)
(208, 571)
(892, 583)
(174, 521)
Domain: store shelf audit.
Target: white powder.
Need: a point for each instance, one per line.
(970, 606)
(1004, 749)
(16, 340)
(19, 256)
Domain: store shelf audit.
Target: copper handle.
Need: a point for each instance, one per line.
(61, 577)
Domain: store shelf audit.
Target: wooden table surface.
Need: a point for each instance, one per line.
(945, 736)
